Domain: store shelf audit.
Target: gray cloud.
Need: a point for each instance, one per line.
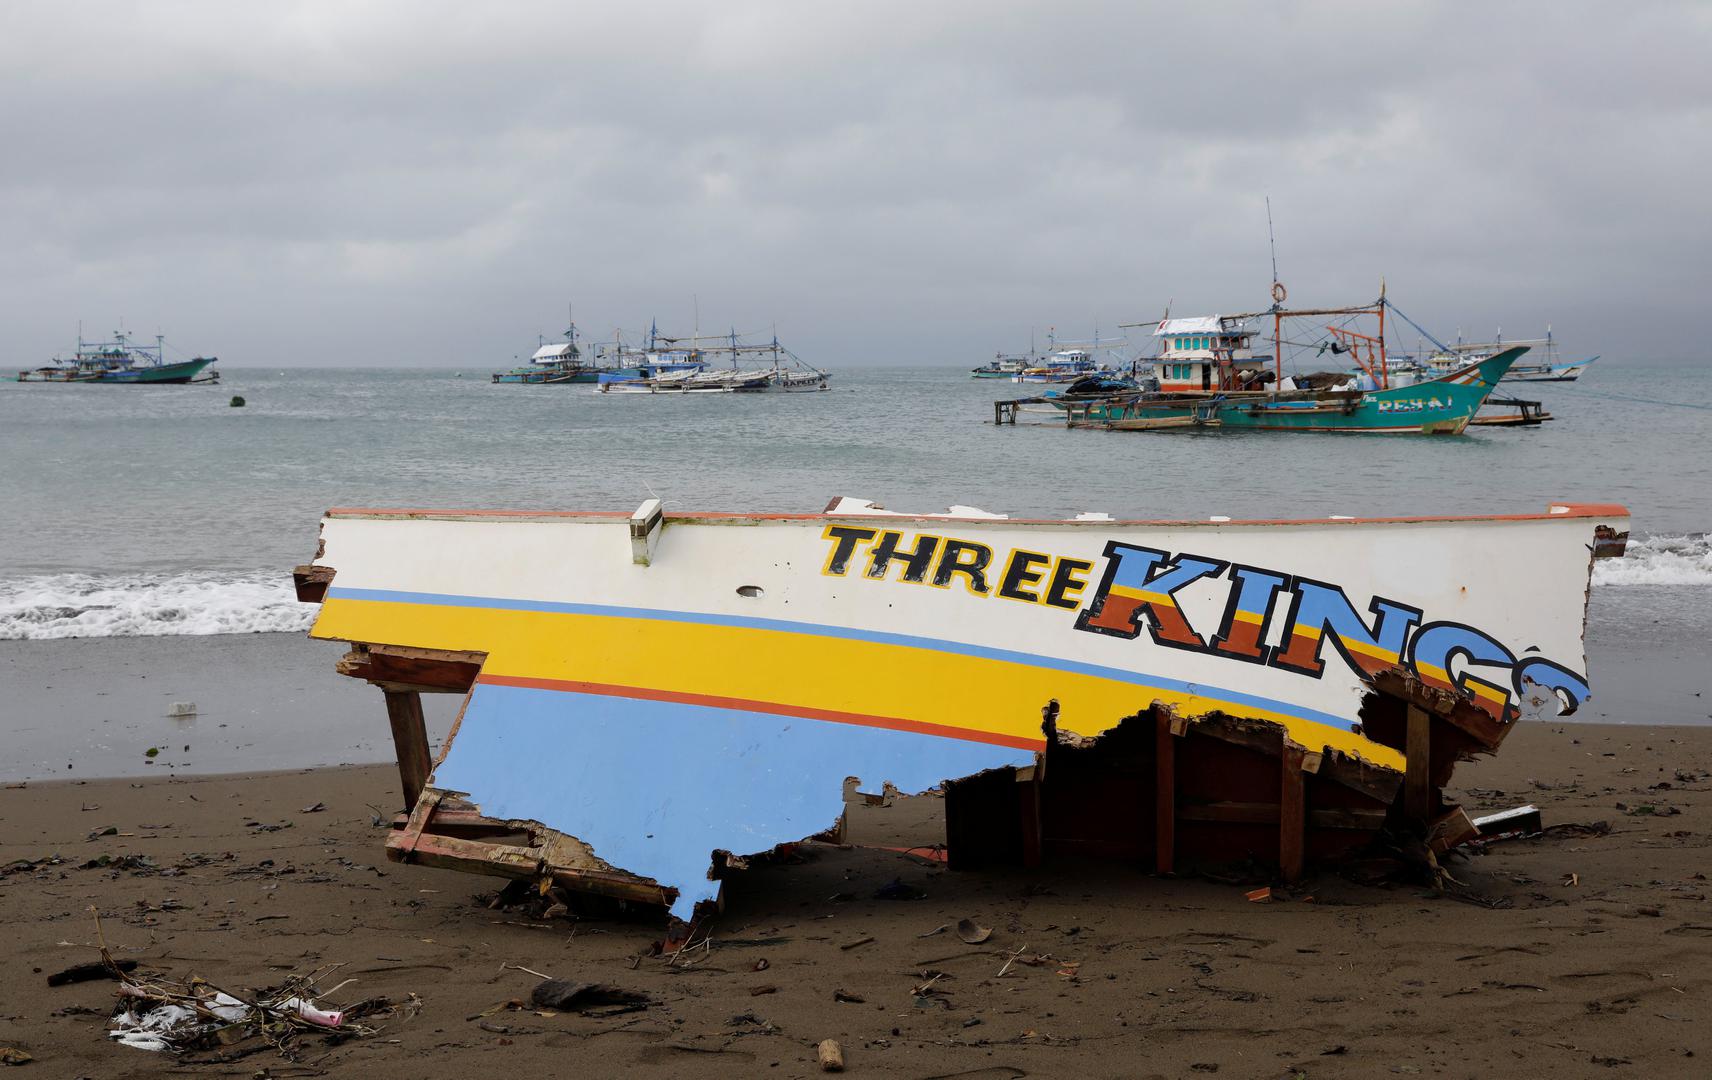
(430, 183)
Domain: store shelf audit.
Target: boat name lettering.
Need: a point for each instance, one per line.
(1136, 594)
(1409, 405)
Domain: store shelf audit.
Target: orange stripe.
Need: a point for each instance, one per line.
(890, 723)
(1572, 510)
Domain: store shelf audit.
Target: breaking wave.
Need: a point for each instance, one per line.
(1660, 560)
(147, 605)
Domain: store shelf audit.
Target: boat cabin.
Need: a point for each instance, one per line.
(1207, 354)
(560, 352)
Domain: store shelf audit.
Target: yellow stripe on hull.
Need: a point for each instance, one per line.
(977, 694)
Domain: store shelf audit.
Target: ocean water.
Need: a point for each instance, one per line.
(163, 510)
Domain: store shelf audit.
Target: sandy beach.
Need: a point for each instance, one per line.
(1580, 953)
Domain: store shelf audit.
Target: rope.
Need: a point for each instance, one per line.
(1442, 346)
(1632, 397)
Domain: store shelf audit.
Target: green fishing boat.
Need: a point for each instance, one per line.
(122, 361)
(1441, 406)
(1208, 375)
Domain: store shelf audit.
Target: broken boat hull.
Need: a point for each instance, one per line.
(664, 691)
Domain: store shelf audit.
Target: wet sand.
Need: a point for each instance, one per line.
(1598, 962)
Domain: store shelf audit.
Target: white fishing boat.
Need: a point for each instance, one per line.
(1545, 363)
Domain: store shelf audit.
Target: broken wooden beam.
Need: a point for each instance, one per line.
(311, 582)
(410, 739)
(1417, 776)
(1292, 814)
(1164, 792)
(400, 667)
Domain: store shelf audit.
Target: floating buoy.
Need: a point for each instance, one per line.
(237, 401)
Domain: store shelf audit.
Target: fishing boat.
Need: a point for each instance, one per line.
(1544, 365)
(122, 361)
(1441, 406)
(1210, 377)
(1272, 691)
(688, 365)
(1062, 366)
(1004, 367)
(554, 363)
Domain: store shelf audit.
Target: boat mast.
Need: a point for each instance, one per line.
(1278, 294)
(1384, 362)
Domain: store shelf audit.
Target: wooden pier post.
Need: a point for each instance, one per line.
(410, 740)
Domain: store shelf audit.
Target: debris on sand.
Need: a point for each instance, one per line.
(168, 1015)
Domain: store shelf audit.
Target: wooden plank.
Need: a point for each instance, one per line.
(1453, 708)
(512, 861)
(1292, 814)
(1376, 782)
(1452, 828)
(1249, 813)
(1417, 775)
(1346, 818)
(1028, 808)
(1164, 793)
(311, 582)
(435, 671)
(1230, 813)
(420, 814)
(410, 741)
(1261, 736)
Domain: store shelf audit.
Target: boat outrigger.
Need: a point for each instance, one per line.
(122, 361)
(1176, 693)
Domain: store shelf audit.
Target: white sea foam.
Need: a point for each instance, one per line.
(1660, 560)
(143, 605)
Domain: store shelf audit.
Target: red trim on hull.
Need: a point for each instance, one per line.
(889, 723)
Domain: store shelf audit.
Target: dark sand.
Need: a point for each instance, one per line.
(1608, 973)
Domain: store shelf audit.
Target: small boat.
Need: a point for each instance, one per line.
(122, 361)
(1004, 367)
(1068, 361)
(1063, 366)
(1271, 691)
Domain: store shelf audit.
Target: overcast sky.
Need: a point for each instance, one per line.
(921, 182)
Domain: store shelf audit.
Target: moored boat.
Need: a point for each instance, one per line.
(1003, 367)
(1210, 377)
(553, 363)
(1544, 363)
(122, 361)
(1440, 406)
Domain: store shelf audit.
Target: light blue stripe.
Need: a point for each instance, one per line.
(958, 648)
(592, 766)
